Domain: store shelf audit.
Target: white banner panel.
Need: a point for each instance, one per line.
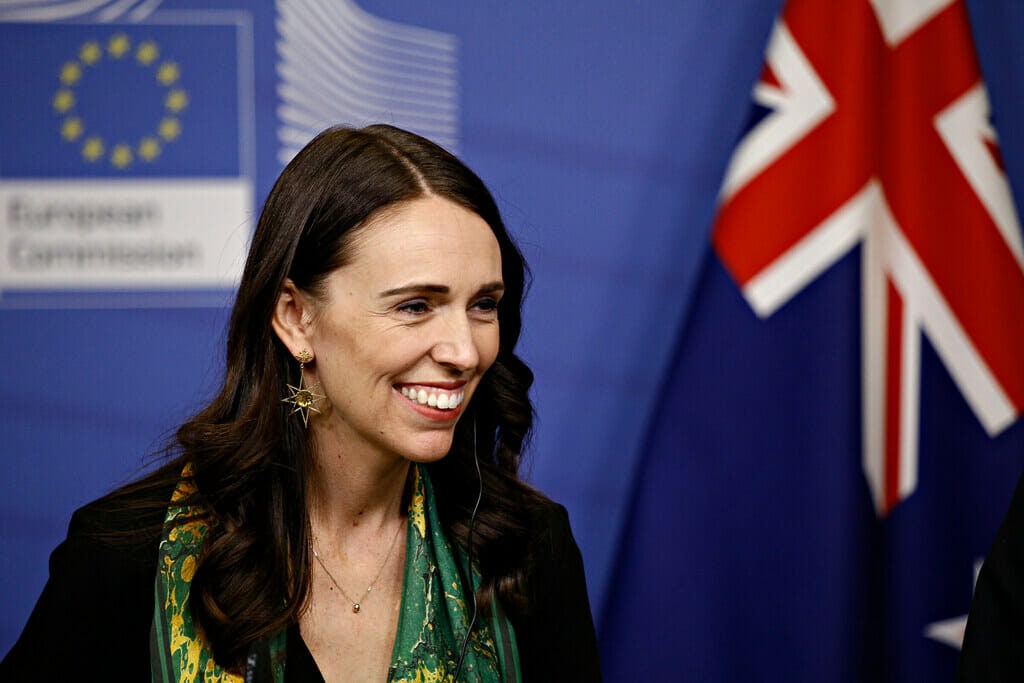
(111, 235)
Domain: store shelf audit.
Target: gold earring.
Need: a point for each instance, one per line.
(303, 398)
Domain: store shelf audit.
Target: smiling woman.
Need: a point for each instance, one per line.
(413, 313)
(348, 507)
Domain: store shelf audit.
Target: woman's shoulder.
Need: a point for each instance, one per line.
(98, 600)
(556, 633)
(129, 518)
(554, 544)
(549, 512)
(549, 522)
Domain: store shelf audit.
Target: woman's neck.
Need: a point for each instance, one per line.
(350, 496)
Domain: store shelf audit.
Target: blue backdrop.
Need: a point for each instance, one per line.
(604, 130)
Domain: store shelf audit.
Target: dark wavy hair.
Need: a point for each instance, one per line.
(250, 461)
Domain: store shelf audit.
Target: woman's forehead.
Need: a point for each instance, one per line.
(424, 224)
(427, 236)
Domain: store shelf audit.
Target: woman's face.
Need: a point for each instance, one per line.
(405, 331)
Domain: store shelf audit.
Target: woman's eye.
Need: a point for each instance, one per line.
(417, 306)
(487, 305)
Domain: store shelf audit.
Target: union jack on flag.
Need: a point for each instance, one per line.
(876, 133)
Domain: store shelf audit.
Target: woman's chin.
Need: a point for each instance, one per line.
(428, 450)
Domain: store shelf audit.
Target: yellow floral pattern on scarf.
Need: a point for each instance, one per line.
(434, 620)
(190, 656)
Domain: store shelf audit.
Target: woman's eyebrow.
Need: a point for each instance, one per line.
(489, 288)
(492, 288)
(413, 288)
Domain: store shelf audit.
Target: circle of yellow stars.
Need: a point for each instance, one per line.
(120, 153)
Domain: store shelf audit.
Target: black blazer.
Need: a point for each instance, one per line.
(993, 648)
(93, 618)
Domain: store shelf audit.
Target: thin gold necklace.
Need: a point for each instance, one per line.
(356, 604)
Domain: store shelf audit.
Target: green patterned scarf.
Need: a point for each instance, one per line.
(432, 625)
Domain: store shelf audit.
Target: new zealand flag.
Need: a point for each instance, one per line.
(838, 438)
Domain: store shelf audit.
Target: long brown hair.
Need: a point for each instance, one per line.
(251, 461)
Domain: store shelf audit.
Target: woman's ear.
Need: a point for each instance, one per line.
(291, 318)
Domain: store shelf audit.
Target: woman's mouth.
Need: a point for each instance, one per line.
(442, 399)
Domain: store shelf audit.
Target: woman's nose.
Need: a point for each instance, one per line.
(455, 345)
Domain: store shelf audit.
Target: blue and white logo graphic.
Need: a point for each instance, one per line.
(339, 64)
(89, 10)
(127, 160)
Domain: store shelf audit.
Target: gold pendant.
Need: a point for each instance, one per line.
(303, 398)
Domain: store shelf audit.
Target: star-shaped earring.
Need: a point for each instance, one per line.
(303, 398)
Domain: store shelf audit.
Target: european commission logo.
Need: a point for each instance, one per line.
(157, 100)
(127, 158)
(120, 59)
(127, 155)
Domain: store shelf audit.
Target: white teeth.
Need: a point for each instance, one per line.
(437, 399)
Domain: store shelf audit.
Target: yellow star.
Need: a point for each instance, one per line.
(70, 73)
(118, 45)
(90, 53)
(92, 150)
(168, 73)
(64, 100)
(72, 129)
(149, 149)
(147, 53)
(121, 155)
(169, 129)
(176, 100)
